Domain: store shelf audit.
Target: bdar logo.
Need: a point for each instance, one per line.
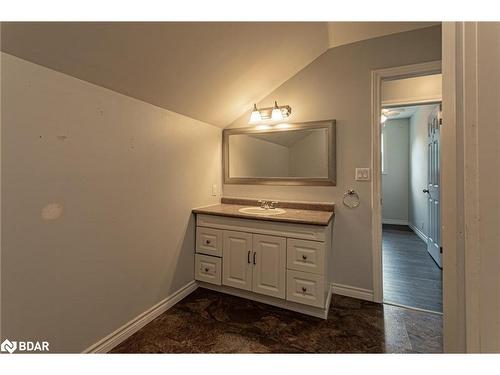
(8, 346)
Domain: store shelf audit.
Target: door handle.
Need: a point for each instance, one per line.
(248, 257)
(425, 190)
(254, 254)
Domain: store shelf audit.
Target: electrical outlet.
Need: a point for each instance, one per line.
(362, 174)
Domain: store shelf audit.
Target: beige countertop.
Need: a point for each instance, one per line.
(292, 215)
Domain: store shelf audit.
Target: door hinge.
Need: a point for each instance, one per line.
(440, 121)
(441, 249)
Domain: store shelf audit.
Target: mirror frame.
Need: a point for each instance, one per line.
(331, 180)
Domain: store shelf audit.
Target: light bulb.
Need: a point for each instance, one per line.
(255, 116)
(276, 114)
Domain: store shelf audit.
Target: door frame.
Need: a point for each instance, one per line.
(378, 76)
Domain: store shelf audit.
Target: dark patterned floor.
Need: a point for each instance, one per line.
(411, 277)
(212, 322)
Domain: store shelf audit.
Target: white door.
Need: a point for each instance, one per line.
(269, 260)
(432, 190)
(237, 260)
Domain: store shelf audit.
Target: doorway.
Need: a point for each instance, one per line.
(412, 275)
(415, 96)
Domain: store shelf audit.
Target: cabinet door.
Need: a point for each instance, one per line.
(237, 260)
(269, 258)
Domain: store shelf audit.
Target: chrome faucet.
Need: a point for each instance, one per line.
(266, 205)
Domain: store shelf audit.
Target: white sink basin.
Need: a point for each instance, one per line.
(261, 211)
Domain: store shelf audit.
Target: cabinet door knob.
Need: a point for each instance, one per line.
(304, 289)
(207, 242)
(304, 256)
(206, 269)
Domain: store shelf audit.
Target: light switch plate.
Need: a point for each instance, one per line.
(214, 190)
(362, 174)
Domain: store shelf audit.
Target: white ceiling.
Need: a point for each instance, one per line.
(400, 112)
(212, 72)
(395, 113)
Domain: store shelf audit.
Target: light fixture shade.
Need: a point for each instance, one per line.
(276, 114)
(255, 116)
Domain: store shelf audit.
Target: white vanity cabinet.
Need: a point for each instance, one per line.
(279, 263)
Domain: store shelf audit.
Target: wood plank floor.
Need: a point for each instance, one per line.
(411, 277)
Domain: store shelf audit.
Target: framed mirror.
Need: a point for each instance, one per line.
(283, 154)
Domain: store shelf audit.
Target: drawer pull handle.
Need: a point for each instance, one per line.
(248, 257)
(304, 289)
(207, 269)
(207, 242)
(304, 256)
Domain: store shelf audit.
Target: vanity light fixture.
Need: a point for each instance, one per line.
(255, 116)
(383, 118)
(276, 113)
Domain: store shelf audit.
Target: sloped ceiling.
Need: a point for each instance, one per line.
(210, 71)
(340, 33)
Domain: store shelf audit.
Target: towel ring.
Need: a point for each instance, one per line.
(351, 199)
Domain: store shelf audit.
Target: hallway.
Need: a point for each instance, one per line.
(411, 277)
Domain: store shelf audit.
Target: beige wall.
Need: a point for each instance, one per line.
(412, 90)
(126, 174)
(337, 85)
(395, 179)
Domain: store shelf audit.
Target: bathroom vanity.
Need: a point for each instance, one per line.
(279, 256)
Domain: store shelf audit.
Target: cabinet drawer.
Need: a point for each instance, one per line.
(207, 269)
(209, 241)
(306, 288)
(307, 256)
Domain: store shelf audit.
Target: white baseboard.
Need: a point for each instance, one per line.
(128, 329)
(395, 221)
(352, 291)
(418, 232)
